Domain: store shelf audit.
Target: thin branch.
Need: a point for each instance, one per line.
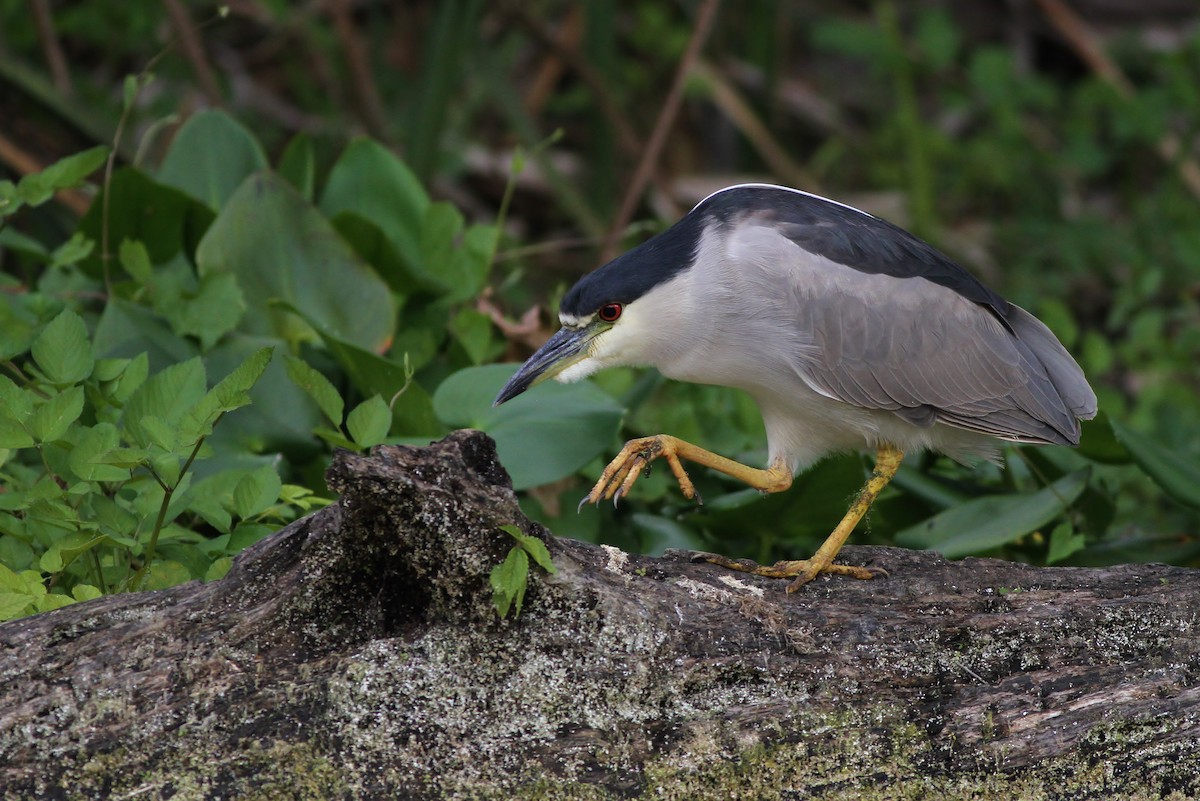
(730, 101)
(662, 127)
(1087, 47)
(193, 50)
(361, 79)
(47, 36)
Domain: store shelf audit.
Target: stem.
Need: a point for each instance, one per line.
(168, 493)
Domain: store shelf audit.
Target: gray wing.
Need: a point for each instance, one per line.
(929, 354)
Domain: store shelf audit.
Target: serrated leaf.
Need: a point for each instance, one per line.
(63, 174)
(231, 392)
(159, 433)
(368, 423)
(63, 351)
(73, 251)
(167, 395)
(52, 419)
(989, 522)
(533, 546)
(16, 407)
(317, 387)
(90, 448)
(508, 580)
(136, 260)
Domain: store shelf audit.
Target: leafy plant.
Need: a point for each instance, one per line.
(510, 578)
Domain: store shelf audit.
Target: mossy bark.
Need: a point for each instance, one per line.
(356, 654)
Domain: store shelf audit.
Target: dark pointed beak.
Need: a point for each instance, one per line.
(565, 348)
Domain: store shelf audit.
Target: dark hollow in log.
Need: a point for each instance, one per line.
(356, 654)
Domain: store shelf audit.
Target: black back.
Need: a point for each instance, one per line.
(839, 233)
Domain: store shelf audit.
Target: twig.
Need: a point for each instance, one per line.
(628, 139)
(48, 39)
(745, 119)
(666, 118)
(1088, 48)
(193, 50)
(361, 78)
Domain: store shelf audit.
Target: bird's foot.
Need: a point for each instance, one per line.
(623, 472)
(801, 571)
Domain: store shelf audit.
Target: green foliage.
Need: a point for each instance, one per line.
(97, 469)
(510, 578)
(201, 257)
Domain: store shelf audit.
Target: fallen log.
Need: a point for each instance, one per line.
(357, 654)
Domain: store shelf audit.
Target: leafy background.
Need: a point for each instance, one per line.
(236, 237)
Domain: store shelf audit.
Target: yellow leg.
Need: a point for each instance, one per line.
(887, 461)
(623, 472)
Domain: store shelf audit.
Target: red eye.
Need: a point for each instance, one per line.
(609, 312)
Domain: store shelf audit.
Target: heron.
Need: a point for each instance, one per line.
(848, 332)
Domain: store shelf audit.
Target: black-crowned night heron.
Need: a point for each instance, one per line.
(849, 333)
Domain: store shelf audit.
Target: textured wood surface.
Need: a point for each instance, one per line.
(356, 654)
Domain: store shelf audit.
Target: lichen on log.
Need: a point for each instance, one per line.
(356, 654)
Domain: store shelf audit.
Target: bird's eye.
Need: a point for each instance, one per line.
(609, 312)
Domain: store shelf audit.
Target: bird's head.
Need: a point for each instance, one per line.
(621, 314)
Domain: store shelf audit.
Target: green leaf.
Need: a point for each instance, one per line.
(1100, 444)
(136, 260)
(71, 252)
(39, 187)
(543, 435)
(533, 546)
(218, 568)
(369, 181)
(457, 262)
(167, 395)
(85, 592)
(91, 447)
(372, 374)
(473, 330)
(16, 408)
(63, 350)
(318, 387)
(1064, 541)
(994, 520)
(210, 157)
(285, 254)
(257, 490)
(231, 392)
(52, 419)
(212, 312)
(368, 423)
(161, 217)
(1178, 477)
(15, 604)
(297, 165)
(508, 580)
(129, 329)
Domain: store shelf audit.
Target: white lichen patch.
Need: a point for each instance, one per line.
(616, 559)
(738, 584)
(705, 592)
